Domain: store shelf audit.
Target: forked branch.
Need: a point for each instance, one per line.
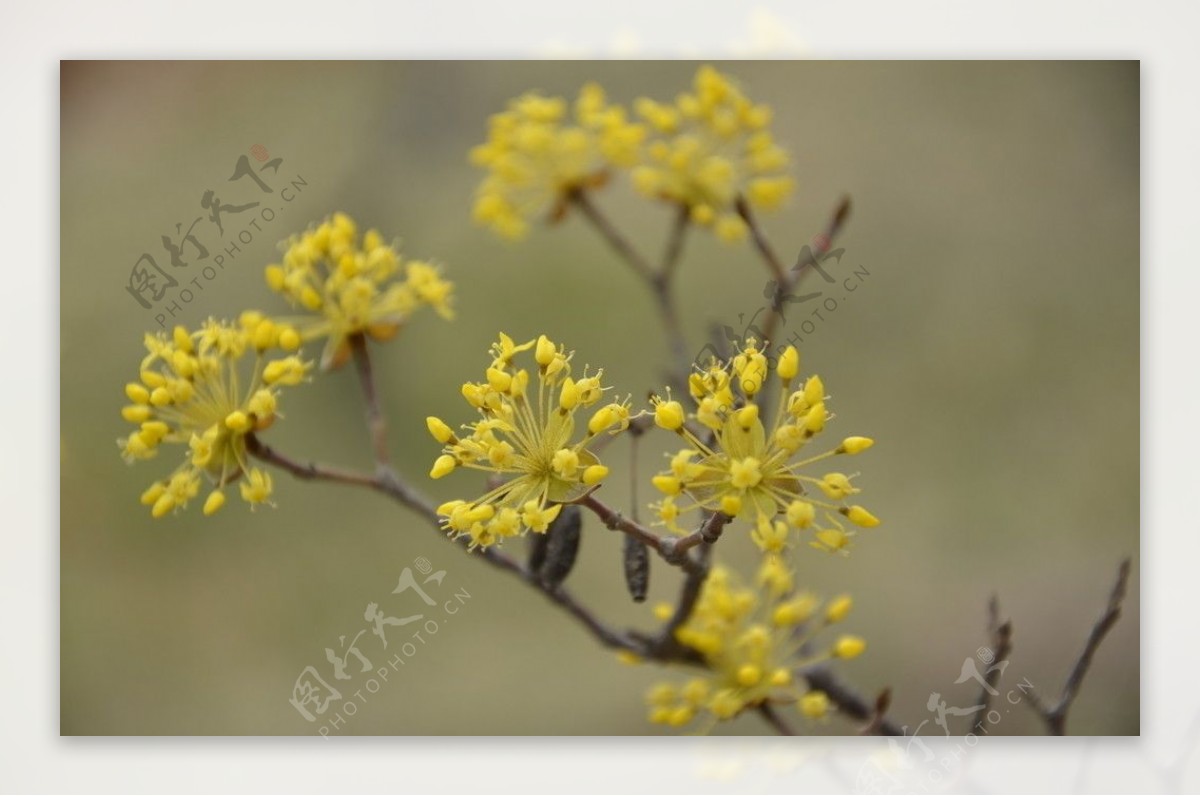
(1055, 715)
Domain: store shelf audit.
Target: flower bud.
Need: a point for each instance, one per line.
(853, 445)
(789, 364)
(848, 647)
(444, 465)
(669, 415)
(440, 431)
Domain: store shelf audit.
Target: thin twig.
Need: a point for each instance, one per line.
(882, 702)
(773, 718)
(809, 258)
(616, 521)
(310, 471)
(674, 248)
(1055, 716)
(819, 677)
(663, 645)
(615, 239)
(409, 498)
(376, 425)
(658, 281)
(1000, 638)
(760, 241)
(672, 549)
(708, 533)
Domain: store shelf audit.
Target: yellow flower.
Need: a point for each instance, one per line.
(529, 439)
(257, 487)
(205, 391)
(537, 155)
(711, 147)
(352, 286)
(849, 647)
(752, 639)
(752, 470)
(815, 705)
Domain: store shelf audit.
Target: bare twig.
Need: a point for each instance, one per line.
(672, 549)
(809, 258)
(658, 281)
(1000, 638)
(409, 498)
(674, 248)
(708, 533)
(376, 425)
(615, 239)
(310, 471)
(760, 241)
(616, 521)
(849, 702)
(772, 717)
(663, 645)
(882, 702)
(1055, 716)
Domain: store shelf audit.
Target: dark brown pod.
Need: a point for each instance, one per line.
(562, 545)
(637, 568)
(537, 543)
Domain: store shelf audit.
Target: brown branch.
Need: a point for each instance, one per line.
(393, 487)
(772, 717)
(760, 241)
(658, 281)
(310, 471)
(708, 533)
(1055, 716)
(849, 702)
(673, 550)
(376, 425)
(809, 258)
(616, 521)
(674, 248)
(882, 702)
(616, 240)
(1000, 635)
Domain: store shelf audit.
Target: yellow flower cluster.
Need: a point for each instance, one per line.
(207, 390)
(752, 639)
(750, 470)
(353, 286)
(711, 147)
(703, 151)
(536, 156)
(526, 440)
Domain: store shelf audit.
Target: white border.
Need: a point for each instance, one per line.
(36, 35)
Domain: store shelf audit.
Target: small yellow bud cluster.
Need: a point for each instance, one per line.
(353, 286)
(712, 146)
(529, 439)
(752, 639)
(536, 156)
(753, 471)
(190, 393)
(705, 151)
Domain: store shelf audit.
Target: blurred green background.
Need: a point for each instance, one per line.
(992, 352)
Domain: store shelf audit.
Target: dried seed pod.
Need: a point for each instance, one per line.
(562, 544)
(637, 568)
(537, 543)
